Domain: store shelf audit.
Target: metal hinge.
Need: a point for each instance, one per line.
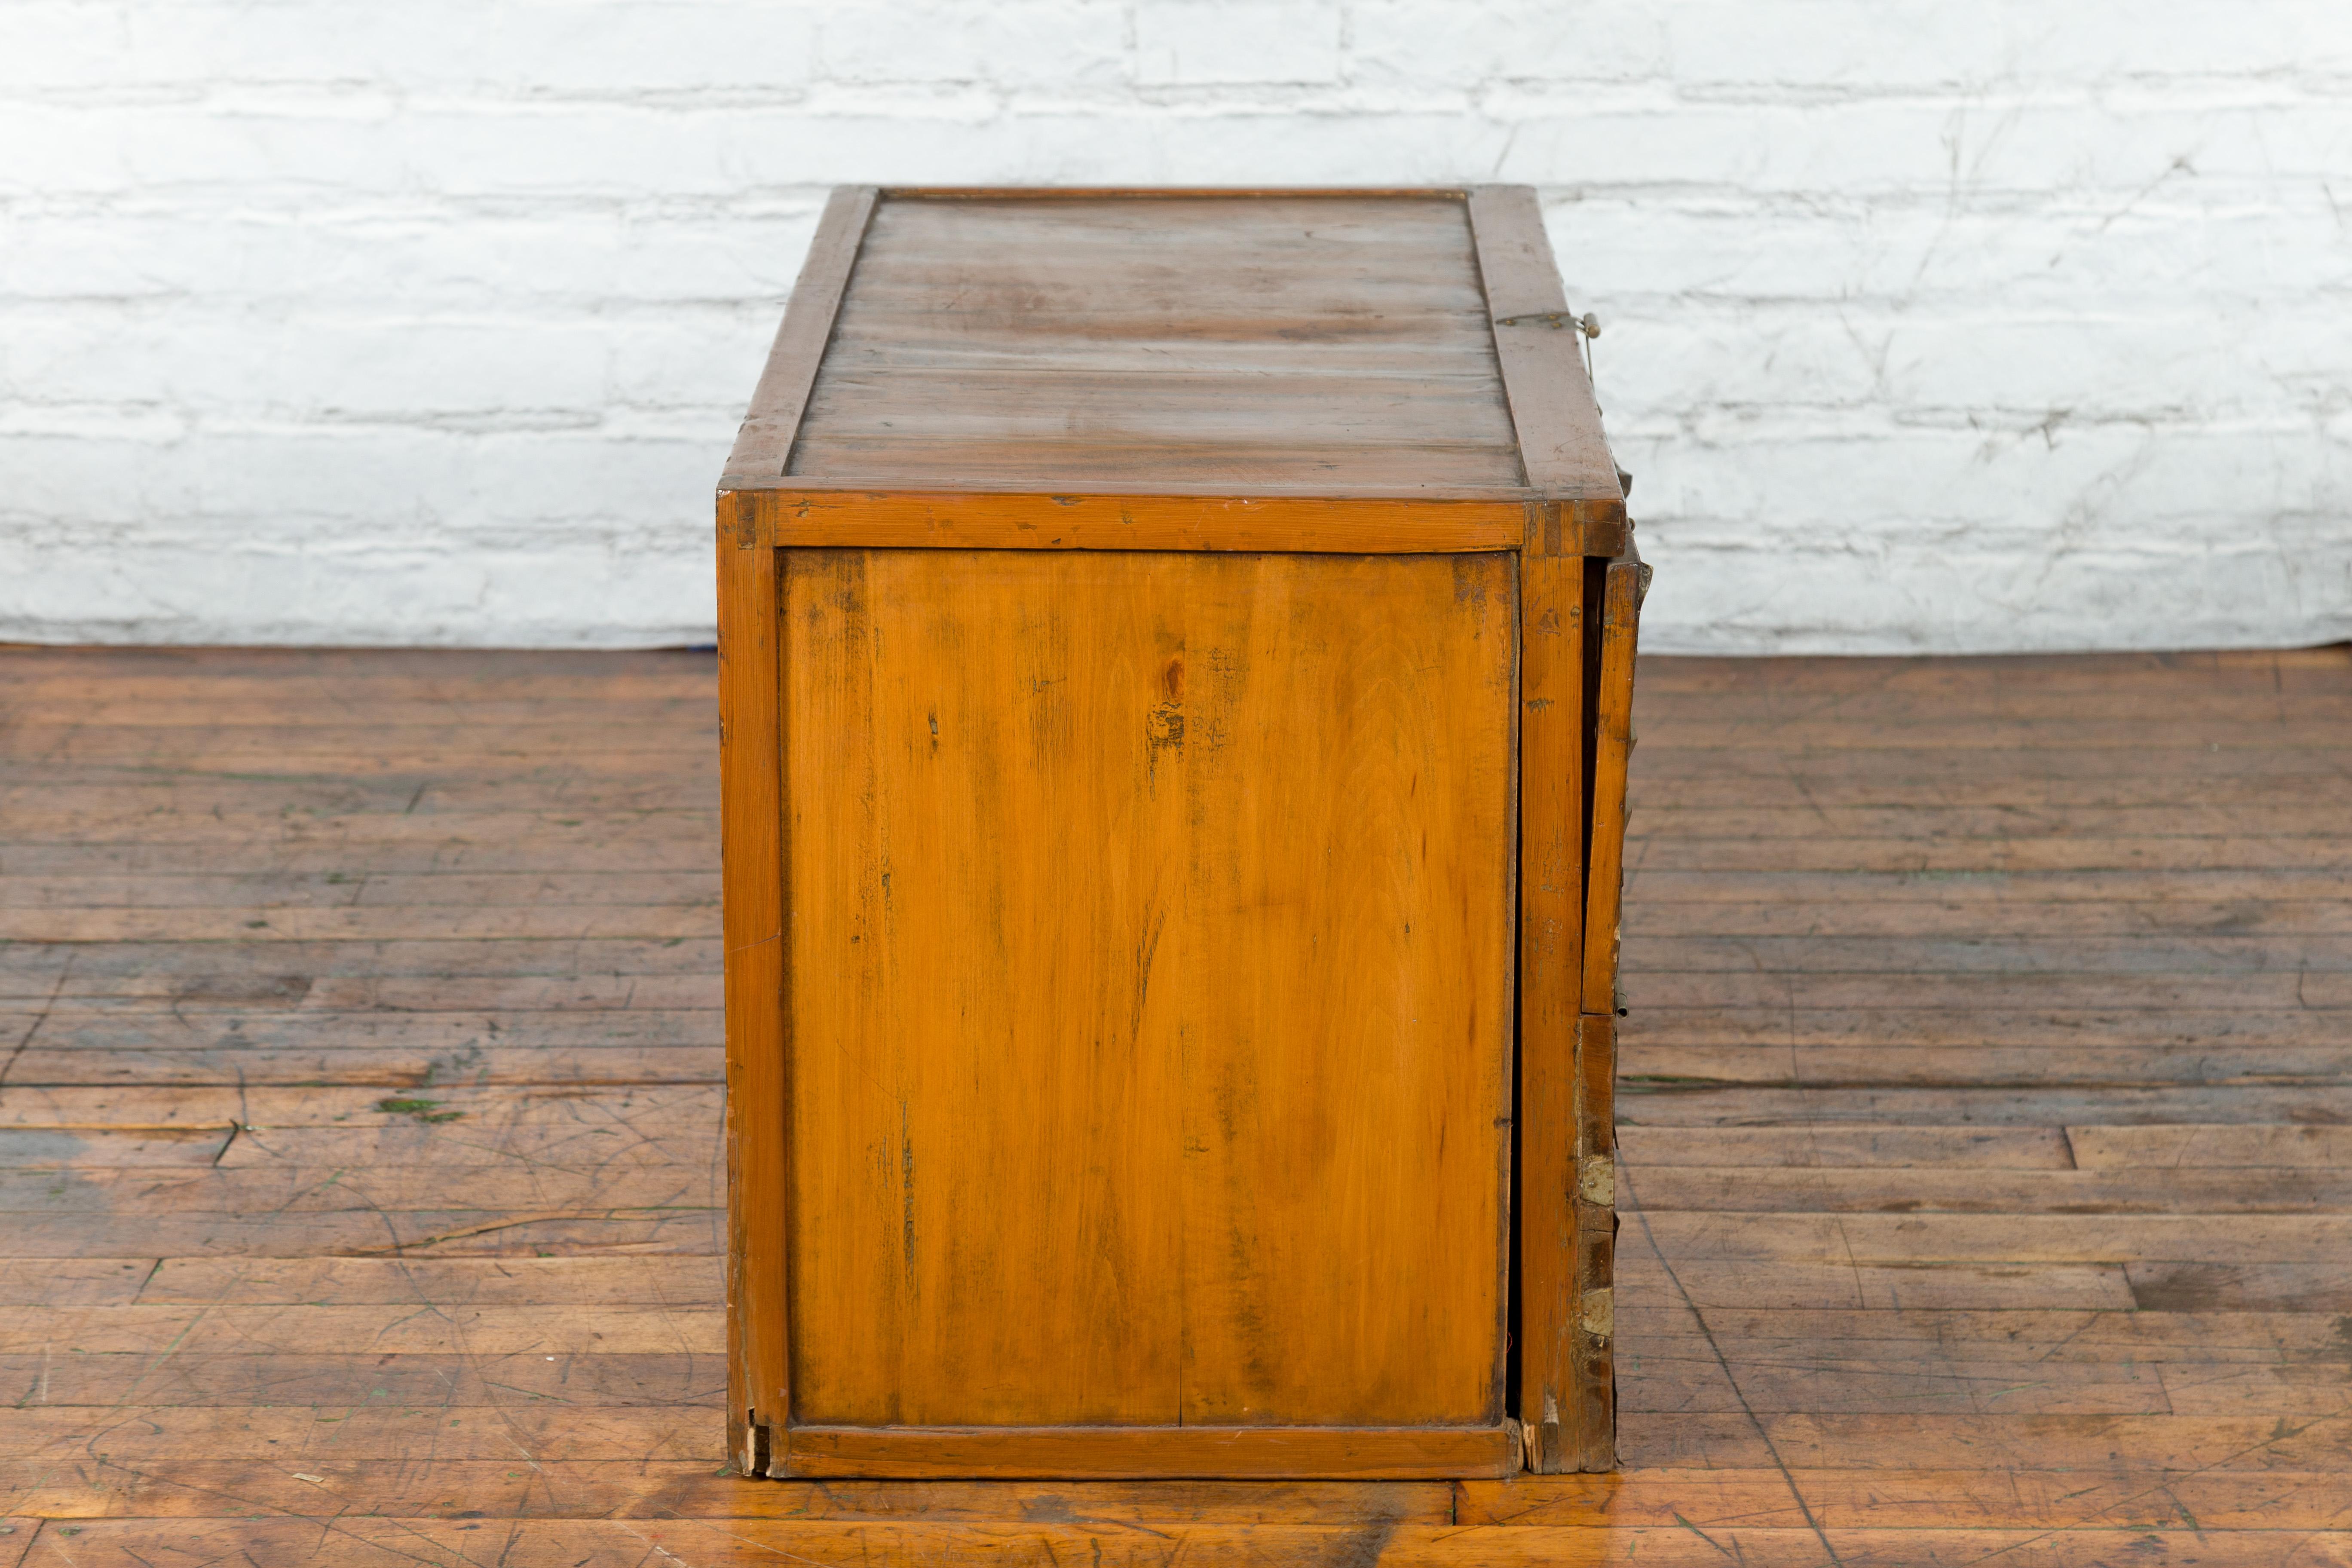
(1587, 323)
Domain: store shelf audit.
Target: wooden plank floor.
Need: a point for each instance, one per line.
(1988, 1133)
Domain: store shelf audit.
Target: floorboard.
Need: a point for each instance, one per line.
(1986, 1162)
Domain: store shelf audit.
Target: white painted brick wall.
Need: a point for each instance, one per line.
(1977, 325)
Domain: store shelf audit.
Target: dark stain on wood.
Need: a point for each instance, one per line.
(1978, 1377)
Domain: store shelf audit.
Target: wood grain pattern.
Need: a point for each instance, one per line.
(1561, 446)
(1073, 952)
(979, 520)
(1612, 686)
(1059, 344)
(1931, 1387)
(618, 1543)
(1173, 344)
(1031, 1186)
(764, 443)
(1551, 964)
(640, 1490)
(1190, 1451)
(752, 821)
(1159, 193)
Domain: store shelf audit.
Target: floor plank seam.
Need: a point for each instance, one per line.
(1988, 1076)
(1633, 1196)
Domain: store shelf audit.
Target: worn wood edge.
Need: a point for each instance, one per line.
(1551, 911)
(761, 456)
(1503, 1402)
(1142, 1453)
(1612, 748)
(751, 921)
(1583, 528)
(1591, 1445)
(1563, 448)
(813, 518)
(671, 1489)
(763, 443)
(1582, 507)
(1167, 193)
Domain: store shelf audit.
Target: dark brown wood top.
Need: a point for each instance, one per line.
(1336, 344)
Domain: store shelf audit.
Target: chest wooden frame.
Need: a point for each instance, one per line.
(1579, 587)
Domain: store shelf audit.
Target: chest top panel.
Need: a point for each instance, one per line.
(1245, 340)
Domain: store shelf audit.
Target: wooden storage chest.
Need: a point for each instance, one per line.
(1175, 655)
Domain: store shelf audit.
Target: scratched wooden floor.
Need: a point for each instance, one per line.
(1988, 1144)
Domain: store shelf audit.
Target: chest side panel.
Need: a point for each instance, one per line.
(1149, 988)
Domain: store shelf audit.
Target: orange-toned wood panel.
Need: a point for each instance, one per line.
(1346, 1054)
(2006, 1370)
(988, 857)
(1551, 924)
(749, 819)
(1151, 960)
(1308, 524)
(1388, 1453)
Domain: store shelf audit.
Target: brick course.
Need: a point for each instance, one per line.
(1928, 326)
